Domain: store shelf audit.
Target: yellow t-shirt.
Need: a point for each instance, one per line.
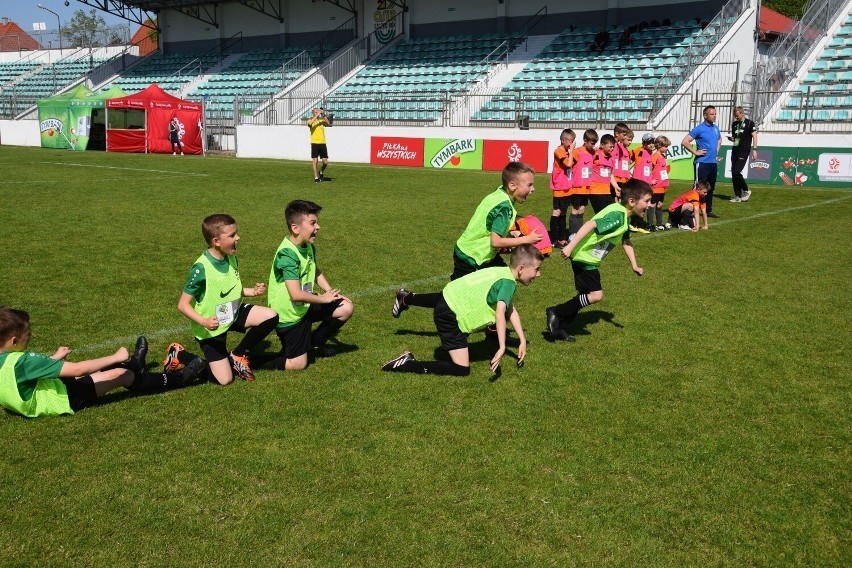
(317, 126)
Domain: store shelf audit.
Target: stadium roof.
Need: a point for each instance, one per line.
(774, 23)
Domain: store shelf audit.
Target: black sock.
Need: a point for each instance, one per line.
(649, 217)
(428, 300)
(185, 357)
(568, 311)
(255, 335)
(560, 228)
(659, 216)
(158, 381)
(325, 330)
(574, 223)
(435, 368)
(554, 227)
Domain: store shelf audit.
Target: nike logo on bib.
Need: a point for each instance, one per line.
(223, 294)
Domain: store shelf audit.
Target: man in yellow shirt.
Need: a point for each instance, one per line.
(317, 123)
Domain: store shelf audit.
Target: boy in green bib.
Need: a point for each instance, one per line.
(34, 385)
(471, 303)
(487, 232)
(591, 244)
(211, 299)
(300, 293)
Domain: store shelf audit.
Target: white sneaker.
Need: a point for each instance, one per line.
(736, 199)
(661, 227)
(668, 226)
(684, 227)
(181, 153)
(746, 196)
(174, 153)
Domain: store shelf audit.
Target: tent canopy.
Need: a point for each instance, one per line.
(154, 108)
(65, 120)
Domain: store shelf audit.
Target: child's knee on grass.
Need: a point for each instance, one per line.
(344, 311)
(299, 363)
(221, 371)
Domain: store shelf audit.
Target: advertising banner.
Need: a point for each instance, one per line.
(453, 153)
(396, 151)
(813, 167)
(497, 153)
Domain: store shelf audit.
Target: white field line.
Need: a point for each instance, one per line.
(130, 169)
(675, 231)
(116, 341)
(438, 278)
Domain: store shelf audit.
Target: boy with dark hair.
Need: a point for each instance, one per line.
(293, 280)
(473, 302)
(604, 190)
(486, 234)
(582, 176)
(684, 211)
(211, 301)
(560, 185)
(33, 385)
(621, 155)
(590, 246)
(659, 184)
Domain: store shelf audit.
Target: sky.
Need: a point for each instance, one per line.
(25, 12)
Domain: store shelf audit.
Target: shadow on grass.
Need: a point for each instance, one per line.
(578, 326)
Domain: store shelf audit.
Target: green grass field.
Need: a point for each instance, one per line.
(702, 417)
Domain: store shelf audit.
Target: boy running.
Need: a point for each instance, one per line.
(592, 243)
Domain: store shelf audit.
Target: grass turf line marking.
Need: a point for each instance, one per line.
(113, 343)
(440, 277)
(675, 231)
(131, 169)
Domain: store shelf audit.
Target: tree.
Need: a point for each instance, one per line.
(84, 30)
(790, 8)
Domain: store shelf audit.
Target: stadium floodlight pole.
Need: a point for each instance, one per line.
(58, 23)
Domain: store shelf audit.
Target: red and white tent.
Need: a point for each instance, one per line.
(140, 122)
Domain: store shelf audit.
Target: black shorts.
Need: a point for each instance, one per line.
(600, 201)
(676, 216)
(296, 340)
(81, 392)
(448, 327)
(585, 280)
(657, 198)
(579, 200)
(216, 348)
(319, 151)
(462, 268)
(562, 203)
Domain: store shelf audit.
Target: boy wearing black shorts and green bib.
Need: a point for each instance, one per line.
(32, 384)
(591, 244)
(486, 234)
(293, 282)
(211, 299)
(473, 302)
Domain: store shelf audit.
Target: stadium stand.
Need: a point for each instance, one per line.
(568, 65)
(823, 92)
(411, 80)
(171, 72)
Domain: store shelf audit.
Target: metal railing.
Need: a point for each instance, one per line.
(782, 64)
(701, 45)
(128, 57)
(339, 36)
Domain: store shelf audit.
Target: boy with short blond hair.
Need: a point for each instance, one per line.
(590, 246)
(293, 282)
(471, 303)
(486, 234)
(211, 300)
(659, 184)
(32, 384)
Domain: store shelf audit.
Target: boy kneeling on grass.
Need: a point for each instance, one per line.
(470, 303)
(590, 245)
(33, 385)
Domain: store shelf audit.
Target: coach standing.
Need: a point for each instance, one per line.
(744, 137)
(707, 141)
